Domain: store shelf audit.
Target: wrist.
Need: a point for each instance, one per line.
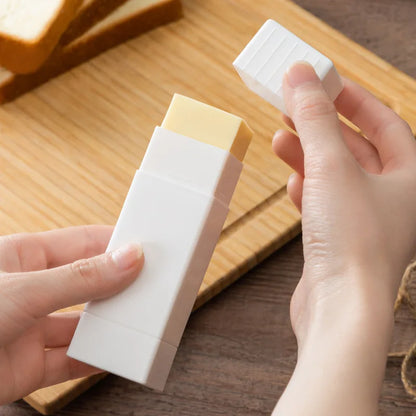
(354, 328)
(350, 312)
(342, 354)
(361, 295)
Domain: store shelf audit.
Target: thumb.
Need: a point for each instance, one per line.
(42, 292)
(315, 118)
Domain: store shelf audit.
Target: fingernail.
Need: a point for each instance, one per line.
(127, 256)
(300, 73)
(277, 135)
(291, 178)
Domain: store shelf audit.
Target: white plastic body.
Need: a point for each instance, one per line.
(175, 209)
(270, 53)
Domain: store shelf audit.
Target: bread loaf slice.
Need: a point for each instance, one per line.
(132, 18)
(30, 30)
(89, 13)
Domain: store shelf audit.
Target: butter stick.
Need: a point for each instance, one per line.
(208, 124)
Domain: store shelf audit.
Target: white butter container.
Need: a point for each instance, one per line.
(175, 208)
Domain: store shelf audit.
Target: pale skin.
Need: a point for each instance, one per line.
(40, 273)
(358, 201)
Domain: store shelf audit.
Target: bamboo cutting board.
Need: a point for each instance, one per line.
(70, 149)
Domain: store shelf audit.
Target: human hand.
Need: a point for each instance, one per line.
(39, 274)
(358, 200)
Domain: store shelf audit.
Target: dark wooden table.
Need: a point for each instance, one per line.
(238, 351)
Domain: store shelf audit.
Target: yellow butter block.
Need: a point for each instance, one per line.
(208, 124)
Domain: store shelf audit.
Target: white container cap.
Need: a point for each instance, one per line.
(270, 53)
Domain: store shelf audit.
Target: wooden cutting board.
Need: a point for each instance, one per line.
(70, 149)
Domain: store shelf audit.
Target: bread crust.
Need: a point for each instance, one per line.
(23, 57)
(87, 17)
(72, 55)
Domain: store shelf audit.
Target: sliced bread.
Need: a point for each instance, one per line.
(129, 20)
(89, 13)
(30, 30)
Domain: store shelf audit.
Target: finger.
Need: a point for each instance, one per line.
(315, 118)
(364, 152)
(39, 293)
(295, 189)
(382, 126)
(286, 145)
(58, 328)
(67, 245)
(36, 251)
(288, 121)
(59, 367)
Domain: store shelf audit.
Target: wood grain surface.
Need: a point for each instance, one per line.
(238, 350)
